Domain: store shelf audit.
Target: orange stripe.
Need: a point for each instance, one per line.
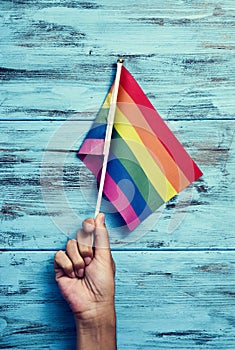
(172, 145)
(158, 152)
(163, 159)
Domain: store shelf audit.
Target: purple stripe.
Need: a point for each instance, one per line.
(120, 201)
(112, 191)
(92, 146)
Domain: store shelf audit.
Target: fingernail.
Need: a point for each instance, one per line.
(88, 225)
(101, 218)
(87, 260)
(72, 274)
(80, 273)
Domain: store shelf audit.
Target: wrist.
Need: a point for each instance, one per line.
(97, 330)
(96, 314)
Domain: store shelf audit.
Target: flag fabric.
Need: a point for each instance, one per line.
(147, 165)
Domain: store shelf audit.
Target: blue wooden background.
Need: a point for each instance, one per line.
(175, 273)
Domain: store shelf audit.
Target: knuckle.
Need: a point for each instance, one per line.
(70, 243)
(85, 250)
(79, 265)
(58, 254)
(68, 266)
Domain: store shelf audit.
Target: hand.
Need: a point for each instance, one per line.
(85, 275)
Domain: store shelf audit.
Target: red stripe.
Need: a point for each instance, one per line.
(172, 145)
(128, 82)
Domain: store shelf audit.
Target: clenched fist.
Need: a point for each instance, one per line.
(85, 275)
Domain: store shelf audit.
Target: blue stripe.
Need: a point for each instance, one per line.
(124, 181)
(97, 131)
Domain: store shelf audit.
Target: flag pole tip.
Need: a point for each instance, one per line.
(120, 60)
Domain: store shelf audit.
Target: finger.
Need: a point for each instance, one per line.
(102, 244)
(74, 255)
(63, 265)
(85, 240)
(88, 225)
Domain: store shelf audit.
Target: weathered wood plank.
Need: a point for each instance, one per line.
(197, 136)
(31, 166)
(56, 62)
(58, 100)
(164, 301)
(57, 57)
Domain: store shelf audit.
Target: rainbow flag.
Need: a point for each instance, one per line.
(147, 165)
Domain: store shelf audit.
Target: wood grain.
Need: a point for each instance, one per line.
(183, 300)
(175, 274)
(58, 58)
(40, 158)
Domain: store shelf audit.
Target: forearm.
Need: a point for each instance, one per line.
(98, 333)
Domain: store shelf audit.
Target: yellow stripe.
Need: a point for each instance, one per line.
(107, 101)
(151, 169)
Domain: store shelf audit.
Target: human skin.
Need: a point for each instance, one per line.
(85, 276)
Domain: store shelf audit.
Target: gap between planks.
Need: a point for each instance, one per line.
(221, 249)
(170, 119)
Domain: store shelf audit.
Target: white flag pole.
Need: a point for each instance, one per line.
(107, 142)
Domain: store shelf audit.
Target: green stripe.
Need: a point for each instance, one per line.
(102, 116)
(122, 151)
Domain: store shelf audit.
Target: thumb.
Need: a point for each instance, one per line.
(101, 235)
